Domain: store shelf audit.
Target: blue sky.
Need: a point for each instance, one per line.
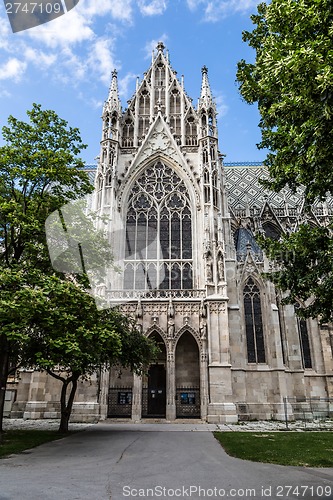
(66, 64)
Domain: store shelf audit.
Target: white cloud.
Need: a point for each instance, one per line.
(153, 7)
(70, 29)
(13, 69)
(127, 85)
(215, 10)
(101, 59)
(68, 46)
(5, 94)
(39, 58)
(4, 34)
(118, 9)
(194, 4)
(71, 68)
(221, 106)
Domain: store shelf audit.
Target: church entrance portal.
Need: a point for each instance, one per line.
(154, 385)
(187, 377)
(156, 391)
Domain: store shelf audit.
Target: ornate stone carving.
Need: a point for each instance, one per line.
(187, 309)
(171, 309)
(217, 307)
(155, 309)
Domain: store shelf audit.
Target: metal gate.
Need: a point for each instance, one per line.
(120, 402)
(188, 402)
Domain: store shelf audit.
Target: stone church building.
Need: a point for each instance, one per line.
(192, 272)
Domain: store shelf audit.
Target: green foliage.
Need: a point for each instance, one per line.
(311, 449)
(305, 260)
(291, 80)
(67, 330)
(39, 172)
(48, 319)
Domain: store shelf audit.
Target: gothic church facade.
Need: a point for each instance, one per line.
(192, 271)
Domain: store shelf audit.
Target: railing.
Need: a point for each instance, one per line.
(257, 257)
(191, 140)
(154, 294)
(243, 164)
(292, 412)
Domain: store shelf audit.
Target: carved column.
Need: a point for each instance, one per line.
(204, 391)
(104, 383)
(137, 398)
(170, 384)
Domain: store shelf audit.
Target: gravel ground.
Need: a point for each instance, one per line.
(264, 426)
(52, 424)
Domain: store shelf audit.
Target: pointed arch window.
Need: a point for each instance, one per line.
(191, 132)
(215, 190)
(108, 178)
(128, 133)
(175, 102)
(304, 340)
(144, 103)
(99, 184)
(158, 211)
(253, 323)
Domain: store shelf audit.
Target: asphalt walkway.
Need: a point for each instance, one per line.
(152, 461)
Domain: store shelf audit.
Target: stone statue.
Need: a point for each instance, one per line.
(203, 329)
(220, 268)
(171, 328)
(209, 267)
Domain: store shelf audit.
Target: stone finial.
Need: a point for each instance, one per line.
(160, 47)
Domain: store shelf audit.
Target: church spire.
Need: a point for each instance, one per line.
(207, 108)
(113, 98)
(206, 99)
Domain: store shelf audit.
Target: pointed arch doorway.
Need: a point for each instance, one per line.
(188, 404)
(154, 384)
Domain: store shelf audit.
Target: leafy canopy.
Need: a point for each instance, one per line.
(39, 172)
(291, 80)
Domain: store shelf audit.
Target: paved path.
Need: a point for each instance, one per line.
(119, 461)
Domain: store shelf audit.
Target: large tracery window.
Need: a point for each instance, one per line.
(253, 323)
(158, 232)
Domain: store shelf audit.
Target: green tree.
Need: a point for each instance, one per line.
(68, 331)
(291, 80)
(49, 319)
(39, 172)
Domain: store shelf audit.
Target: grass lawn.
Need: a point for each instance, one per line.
(311, 449)
(16, 441)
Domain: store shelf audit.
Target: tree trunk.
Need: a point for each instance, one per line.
(66, 407)
(4, 365)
